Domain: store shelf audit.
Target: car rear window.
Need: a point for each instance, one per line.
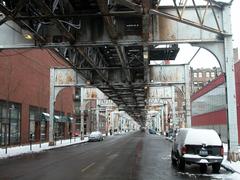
(212, 150)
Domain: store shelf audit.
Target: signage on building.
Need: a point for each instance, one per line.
(65, 77)
(167, 74)
(160, 92)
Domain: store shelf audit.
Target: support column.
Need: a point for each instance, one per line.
(232, 125)
(106, 122)
(97, 114)
(187, 97)
(166, 116)
(51, 107)
(173, 105)
(162, 120)
(82, 113)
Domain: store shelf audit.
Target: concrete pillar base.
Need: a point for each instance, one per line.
(234, 156)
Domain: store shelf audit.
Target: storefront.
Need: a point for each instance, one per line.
(10, 118)
(37, 124)
(62, 126)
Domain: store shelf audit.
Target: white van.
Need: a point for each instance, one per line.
(197, 146)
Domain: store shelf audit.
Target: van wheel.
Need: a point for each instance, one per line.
(203, 168)
(180, 164)
(216, 167)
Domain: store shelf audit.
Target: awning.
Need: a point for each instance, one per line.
(46, 117)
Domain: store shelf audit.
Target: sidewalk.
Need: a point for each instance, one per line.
(18, 150)
(232, 166)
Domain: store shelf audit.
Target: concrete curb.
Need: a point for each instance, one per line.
(229, 169)
(42, 150)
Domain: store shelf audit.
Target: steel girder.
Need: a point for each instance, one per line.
(109, 42)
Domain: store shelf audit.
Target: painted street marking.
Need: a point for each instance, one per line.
(86, 168)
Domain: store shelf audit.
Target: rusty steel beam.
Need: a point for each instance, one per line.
(108, 20)
(45, 9)
(198, 15)
(122, 57)
(214, 14)
(109, 68)
(114, 35)
(130, 5)
(188, 22)
(91, 62)
(138, 8)
(10, 16)
(146, 21)
(84, 15)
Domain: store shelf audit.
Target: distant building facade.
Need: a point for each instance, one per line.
(202, 76)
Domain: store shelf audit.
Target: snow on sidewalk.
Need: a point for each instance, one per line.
(25, 149)
(234, 166)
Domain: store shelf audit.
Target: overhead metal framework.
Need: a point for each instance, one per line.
(110, 43)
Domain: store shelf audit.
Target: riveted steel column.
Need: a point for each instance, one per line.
(230, 84)
(173, 106)
(82, 113)
(162, 120)
(97, 114)
(51, 107)
(187, 97)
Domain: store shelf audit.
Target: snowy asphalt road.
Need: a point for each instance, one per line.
(135, 156)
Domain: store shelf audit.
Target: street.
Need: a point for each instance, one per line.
(131, 156)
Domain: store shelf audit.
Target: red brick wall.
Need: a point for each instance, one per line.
(25, 74)
(237, 78)
(212, 118)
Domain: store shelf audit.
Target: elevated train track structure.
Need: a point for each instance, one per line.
(112, 42)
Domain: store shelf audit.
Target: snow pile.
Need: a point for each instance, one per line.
(233, 166)
(202, 136)
(18, 150)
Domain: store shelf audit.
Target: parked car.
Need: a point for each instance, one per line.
(95, 136)
(151, 131)
(197, 146)
(143, 129)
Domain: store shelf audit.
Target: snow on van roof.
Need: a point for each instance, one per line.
(202, 136)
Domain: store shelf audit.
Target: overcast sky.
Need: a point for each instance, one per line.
(204, 58)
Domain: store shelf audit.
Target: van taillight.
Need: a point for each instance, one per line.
(184, 150)
(221, 151)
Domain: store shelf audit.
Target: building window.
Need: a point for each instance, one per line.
(35, 122)
(207, 74)
(212, 74)
(200, 74)
(9, 123)
(195, 83)
(195, 74)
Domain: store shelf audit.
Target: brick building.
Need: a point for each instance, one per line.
(24, 97)
(202, 76)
